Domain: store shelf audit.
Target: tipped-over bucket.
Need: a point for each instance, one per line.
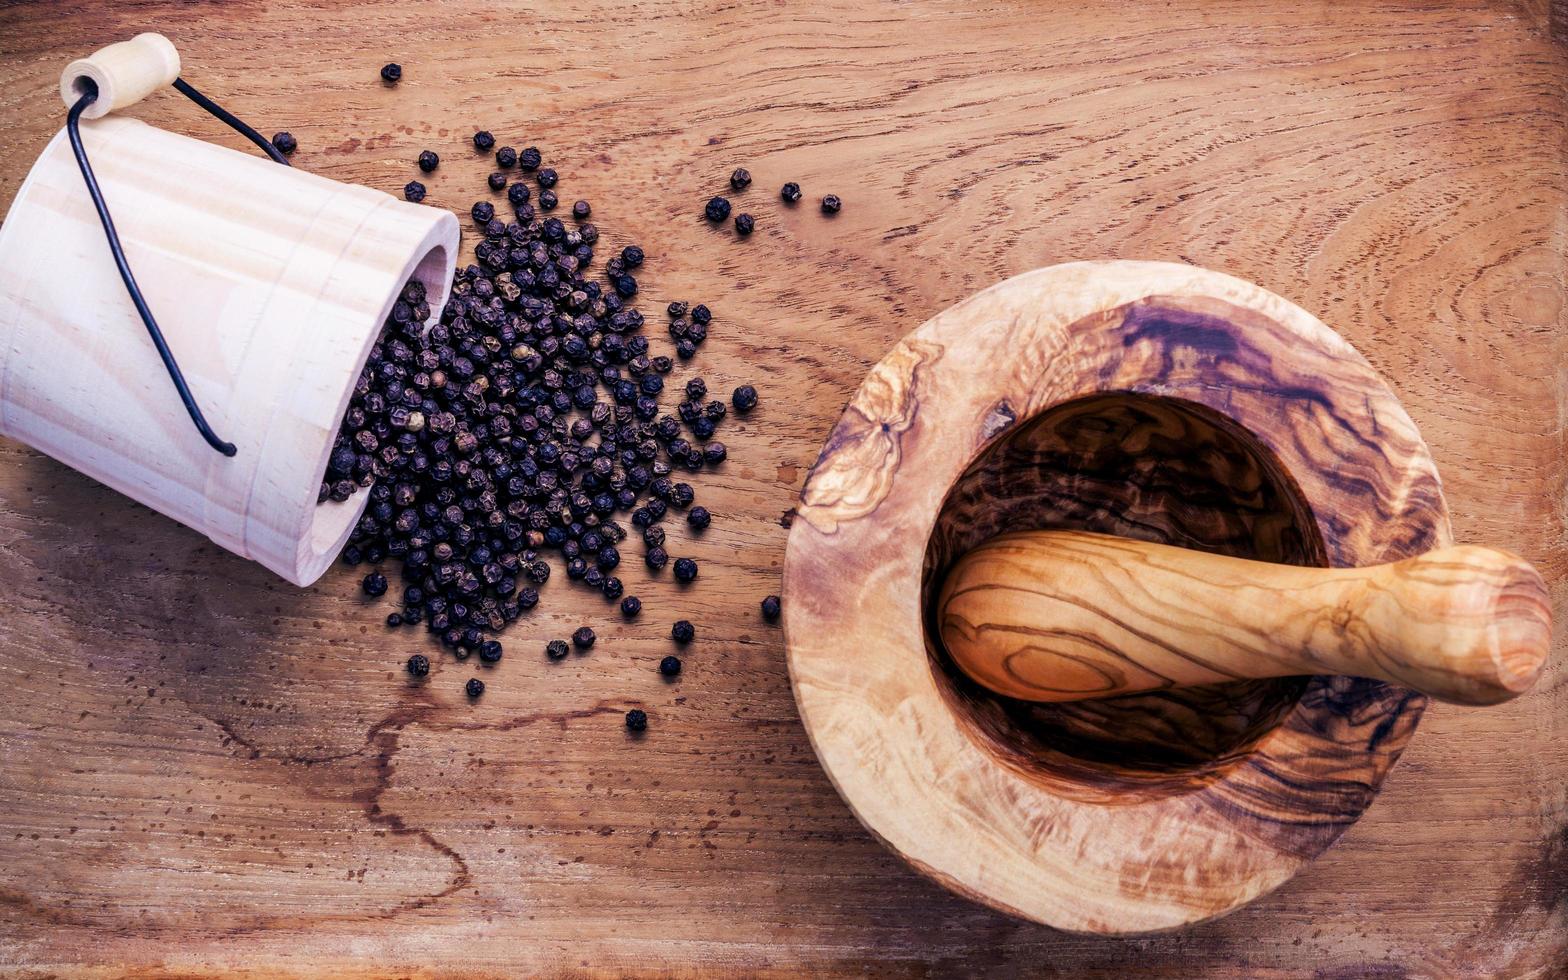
(270, 284)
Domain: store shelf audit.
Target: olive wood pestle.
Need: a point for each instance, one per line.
(1068, 615)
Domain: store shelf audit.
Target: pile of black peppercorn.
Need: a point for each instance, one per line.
(520, 425)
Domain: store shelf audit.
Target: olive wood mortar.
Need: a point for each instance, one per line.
(1151, 401)
(1062, 615)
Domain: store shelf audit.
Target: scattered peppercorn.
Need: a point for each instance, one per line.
(484, 141)
(414, 191)
(740, 179)
(428, 161)
(375, 584)
(744, 224)
(474, 687)
(670, 666)
(419, 665)
(770, 608)
(285, 142)
(581, 210)
(790, 192)
(831, 204)
(506, 158)
(699, 518)
(584, 637)
(683, 631)
(392, 72)
(637, 719)
(744, 399)
(717, 210)
(523, 420)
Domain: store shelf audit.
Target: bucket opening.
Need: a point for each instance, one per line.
(332, 522)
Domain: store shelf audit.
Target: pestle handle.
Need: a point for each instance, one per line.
(125, 72)
(1068, 615)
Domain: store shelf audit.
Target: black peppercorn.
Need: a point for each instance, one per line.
(581, 210)
(831, 204)
(678, 309)
(394, 620)
(670, 666)
(474, 687)
(683, 631)
(375, 584)
(744, 399)
(497, 181)
(740, 179)
(419, 665)
(656, 557)
(701, 314)
(556, 649)
(506, 158)
(414, 191)
(548, 200)
(428, 161)
(490, 651)
(653, 537)
(637, 720)
(699, 518)
(583, 637)
(685, 569)
(631, 606)
(717, 210)
(715, 453)
(744, 224)
(770, 608)
(790, 192)
(530, 158)
(484, 140)
(285, 142)
(392, 72)
(482, 212)
(546, 178)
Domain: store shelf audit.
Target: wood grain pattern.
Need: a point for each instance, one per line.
(1397, 171)
(1068, 615)
(1107, 843)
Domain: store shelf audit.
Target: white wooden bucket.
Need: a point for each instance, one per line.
(270, 284)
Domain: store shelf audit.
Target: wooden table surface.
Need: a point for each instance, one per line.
(203, 768)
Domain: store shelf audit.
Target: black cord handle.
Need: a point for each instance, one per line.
(73, 131)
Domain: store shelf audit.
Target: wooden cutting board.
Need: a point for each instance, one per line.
(204, 769)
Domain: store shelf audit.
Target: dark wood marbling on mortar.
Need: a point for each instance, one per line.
(1397, 171)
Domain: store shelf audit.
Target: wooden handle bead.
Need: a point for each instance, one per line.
(125, 72)
(1066, 615)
